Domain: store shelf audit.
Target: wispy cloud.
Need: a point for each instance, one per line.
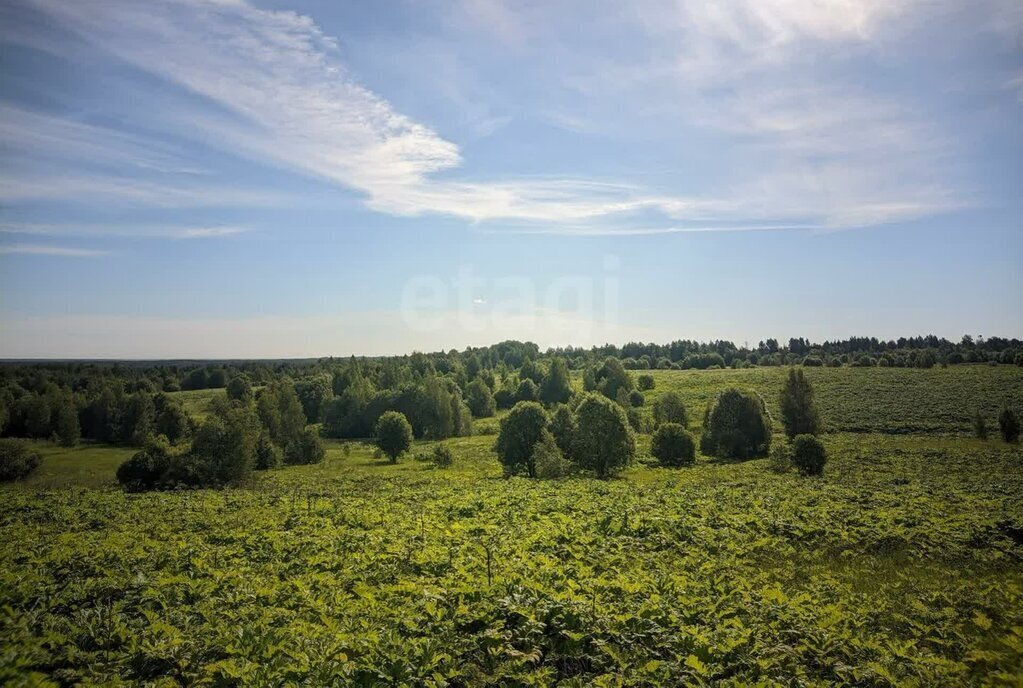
(138, 231)
(45, 250)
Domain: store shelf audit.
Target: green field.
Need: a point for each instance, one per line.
(901, 566)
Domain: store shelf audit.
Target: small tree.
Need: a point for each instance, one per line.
(979, 426)
(550, 462)
(636, 398)
(556, 388)
(1008, 425)
(521, 429)
(736, 426)
(65, 425)
(672, 445)
(441, 456)
(604, 441)
(799, 412)
(268, 454)
(527, 391)
(305, 448)
(563, 428)
(148, 469)
(645, 382)
(669, 408)
(808, 455)
(394, 435)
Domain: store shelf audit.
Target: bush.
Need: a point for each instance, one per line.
(808, 455)
(527, 391)
(779, 461)
(521, 430)
(148, 469)
(646, 382)
(799, 412)
(556, 387)
(736, 426)
(1008, 425)
(17, 460)
(394, 435)
(669, 408)
(636, 398)
(672, 445)
(812, 362)
(604, 441)
(549, 461)
(240, 388)
(562, 426)
(224, 450)
(441, 456)
(304, 449)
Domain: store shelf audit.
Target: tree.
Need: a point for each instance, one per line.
(224, 449)
(305, 448)
(604, 441)
(217, 379)
(138, 421)
(35, 410)
(520, 430)
(736, 426)
(646, 382)
(527, 391)
(65, 425)
(556, 388)
(480, 399)
(808, 454)
(314, 394)
(669, 408)
(281, 412)
(1008, 425)
(611, 377)
(550, 463)
(799, 412)
(17, 460)
(172, 421)
(240, 388)
(268, 454)
(562, 427)
(148, 469)
(672, 445)
(394, 435)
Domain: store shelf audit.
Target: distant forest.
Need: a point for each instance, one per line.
(131, 402)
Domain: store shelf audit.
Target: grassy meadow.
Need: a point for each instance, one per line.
(901, 566)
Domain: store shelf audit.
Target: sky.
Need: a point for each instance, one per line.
(231, 179)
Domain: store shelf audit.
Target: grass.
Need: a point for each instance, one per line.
(901, 566)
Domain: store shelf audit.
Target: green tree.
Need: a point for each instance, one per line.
(799, 412)
(65, 425)
(172, 421)
(646, 382)
(520, 430)
(224, 449)
(556, 388)
(808, 454)
(604, 441)
(562, 427)
(672, 445)
(313, 394)
(17, 460)
(394, 435)
(1008, 425)
(548, 459)
(527, 391)
(612, 377)
(979, 426)
(305, 448)
(736, 426)
(35, 409)
(669, 408)
(268, 454)
(480, 399)
(138, 422)
(240, 388)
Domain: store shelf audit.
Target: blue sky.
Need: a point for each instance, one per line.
(217, 178)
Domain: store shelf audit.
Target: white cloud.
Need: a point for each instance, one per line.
(44, 250)
(138, 231)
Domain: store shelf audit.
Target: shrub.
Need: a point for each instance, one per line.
(306, 448)
(979, 426)
(224, 450)
(669, 408)
(441, 456)
(646, 382)
(549, 461)
(779, 461)
(636, 398)
(672, 445)
(1008, 425)
(635, 420)
(520, 431)
(799, 412)
(808, 454)
(394, 435)
(527, 391)
(556, 388)
(604, 441)
(562, 426)
(148, 469)
(612, 377)
(487, 428)
(268, 454)
(812, 362)
(736, 426)
(17, 460)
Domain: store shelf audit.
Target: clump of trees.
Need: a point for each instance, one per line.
(17, 460)
(736, 426)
